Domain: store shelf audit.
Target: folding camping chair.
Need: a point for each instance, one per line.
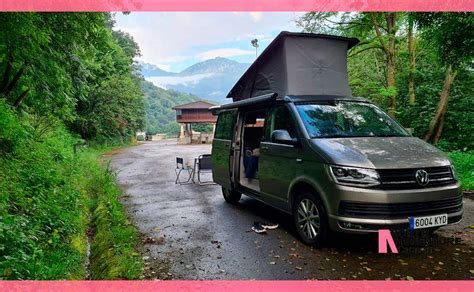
(202, 164)
(180, 166)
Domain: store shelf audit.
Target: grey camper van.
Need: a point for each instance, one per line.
(295, 138)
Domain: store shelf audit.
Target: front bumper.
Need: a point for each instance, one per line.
(364, 225)
(392, 218)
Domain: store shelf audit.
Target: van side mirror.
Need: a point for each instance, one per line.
(283, 137)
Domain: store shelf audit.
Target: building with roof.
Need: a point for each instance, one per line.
(194, 113)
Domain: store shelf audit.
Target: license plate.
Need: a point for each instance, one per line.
(428, 221)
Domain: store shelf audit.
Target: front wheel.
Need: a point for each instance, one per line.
(231, 196)
(310, 219)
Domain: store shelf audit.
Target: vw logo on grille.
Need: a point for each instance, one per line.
(422, 177)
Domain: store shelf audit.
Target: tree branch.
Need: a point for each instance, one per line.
(7, 72)
(15, 79)
(365, 49)
(378, 32)
(20, 98)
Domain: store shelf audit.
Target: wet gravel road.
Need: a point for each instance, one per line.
(189, 232)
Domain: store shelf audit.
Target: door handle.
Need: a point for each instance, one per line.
(264, 147)
(299, 160)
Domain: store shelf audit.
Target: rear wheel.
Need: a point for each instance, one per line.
(231, 196)
(310, 219)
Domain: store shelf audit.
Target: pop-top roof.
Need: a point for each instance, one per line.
(298, 64)
(201, 104)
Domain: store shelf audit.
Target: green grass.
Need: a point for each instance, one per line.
(43, 211)
(49, 197)
(464, 166)
(115, 241)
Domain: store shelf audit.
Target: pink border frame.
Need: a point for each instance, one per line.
(236, 5)
(211, 286)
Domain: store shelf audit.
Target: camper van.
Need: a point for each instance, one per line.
(296, 139)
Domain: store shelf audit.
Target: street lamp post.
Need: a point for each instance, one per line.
(255, 45)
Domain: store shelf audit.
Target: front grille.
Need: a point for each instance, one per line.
(401, 179)
(400, 210)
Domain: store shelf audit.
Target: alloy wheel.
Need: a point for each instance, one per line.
(308, 218)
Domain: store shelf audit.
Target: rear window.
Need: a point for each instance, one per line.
(225, 125)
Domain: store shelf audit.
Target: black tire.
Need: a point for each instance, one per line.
(301, 228)
(231, 196)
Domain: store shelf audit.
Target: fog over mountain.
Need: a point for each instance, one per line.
(211, 79)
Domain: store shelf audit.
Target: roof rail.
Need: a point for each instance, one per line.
(245, 102)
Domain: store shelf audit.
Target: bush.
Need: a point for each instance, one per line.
(47, 196)
(42, 208)
(464, 165)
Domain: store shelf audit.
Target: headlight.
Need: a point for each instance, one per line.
(356, 177)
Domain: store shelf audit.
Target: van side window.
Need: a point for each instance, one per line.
(280, 119)
(225, 125)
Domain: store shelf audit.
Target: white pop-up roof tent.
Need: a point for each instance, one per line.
(298, 64)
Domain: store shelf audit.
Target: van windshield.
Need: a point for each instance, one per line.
(348, 119)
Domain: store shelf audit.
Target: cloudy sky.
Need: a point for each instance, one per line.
(176, 40)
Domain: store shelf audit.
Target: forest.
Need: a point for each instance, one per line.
(419, 67)
(70, 89)
(66, 80)
(159, 115)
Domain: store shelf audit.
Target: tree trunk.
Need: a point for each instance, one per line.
(391, 83)
(20, 98)
(442, 104)
(11, 85)
(412, 64)
(391, 56)
(7, 72)
(440, 129)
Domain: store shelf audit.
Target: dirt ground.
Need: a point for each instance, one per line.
(189, 232)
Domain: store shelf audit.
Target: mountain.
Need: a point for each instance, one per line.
(211, 79)
(217, 65)
(148, 69)
(159, 116)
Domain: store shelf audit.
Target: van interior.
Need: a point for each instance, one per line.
(252, 135)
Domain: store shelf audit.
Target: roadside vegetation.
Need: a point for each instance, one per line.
(114, 240)
(66, 80)
(464, 164)
(54, 204)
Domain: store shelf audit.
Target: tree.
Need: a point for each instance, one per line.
(55, 66)
(41, 54)
(452, 34)
(425, 45)
(411, 41)
(159, 115)
(375, 30)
